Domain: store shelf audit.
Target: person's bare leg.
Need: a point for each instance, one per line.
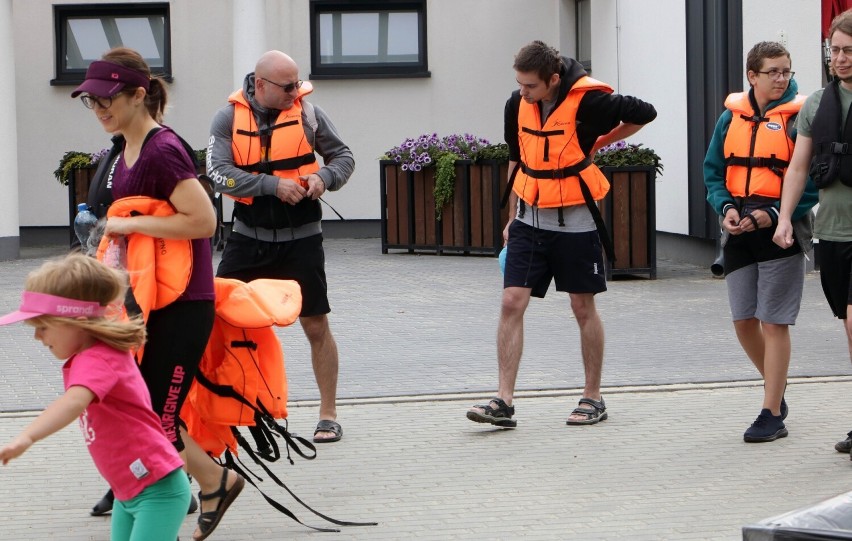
(847, 325)
(591, 345)
(776, 364)
(324, 358)
(751, 338)
(206, 472)
(510, 341)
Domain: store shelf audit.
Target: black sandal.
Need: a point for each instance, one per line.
(500, 416)
(104, 505)
(594, 415)
(208, 520)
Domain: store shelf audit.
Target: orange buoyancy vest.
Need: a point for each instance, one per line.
(552, 162)
(243, 355)
(757, 148)
(281, 149)
(159, 269)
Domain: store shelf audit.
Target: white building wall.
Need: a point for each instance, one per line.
(470, 47)
(640, 50)
(796, 25)
(8, 133)
(638, 47)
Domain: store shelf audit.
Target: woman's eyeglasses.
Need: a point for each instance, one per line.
(90, 101)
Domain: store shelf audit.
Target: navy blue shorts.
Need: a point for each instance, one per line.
(302, 260)
(534, 257)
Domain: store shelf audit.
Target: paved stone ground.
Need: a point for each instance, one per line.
(416, 335)
(669, 464)
(423, 324)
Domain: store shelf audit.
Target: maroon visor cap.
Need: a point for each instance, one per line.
(106, 79)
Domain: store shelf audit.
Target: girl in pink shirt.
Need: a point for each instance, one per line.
(74, 304)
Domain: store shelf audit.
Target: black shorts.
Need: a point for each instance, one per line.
(177, 338)
(534, 257)
(754, 247)
(835, 265)
(302, 260)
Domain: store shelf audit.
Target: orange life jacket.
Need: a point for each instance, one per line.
(159, 269)
(282, 150)
(757, 148)
(552, 161)
(244, 357)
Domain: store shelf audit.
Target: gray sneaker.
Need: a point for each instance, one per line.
(844, 446)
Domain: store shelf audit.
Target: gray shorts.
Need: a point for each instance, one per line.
(770, 291)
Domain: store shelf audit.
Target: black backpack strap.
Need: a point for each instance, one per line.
(99, 197)
(509, 184)
(230, 462)
(248, 475)
(599, 223)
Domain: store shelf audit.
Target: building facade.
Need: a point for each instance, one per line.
(385, 71)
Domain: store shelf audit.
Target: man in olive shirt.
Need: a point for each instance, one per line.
(823, 150)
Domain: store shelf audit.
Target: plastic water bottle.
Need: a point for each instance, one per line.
(115, 255)
(83, 224)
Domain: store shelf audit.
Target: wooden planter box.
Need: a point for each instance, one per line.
(470, 224)
(629, 211)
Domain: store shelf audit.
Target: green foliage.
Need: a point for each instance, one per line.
(70, 161)
(622, 154)
(445, 171)
(498, 152)
(83, 160)
(429, 150)
(445, 181)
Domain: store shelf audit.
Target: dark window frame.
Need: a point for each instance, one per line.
(61, 13)
(579, 30)
(714, 69)
(420, 68)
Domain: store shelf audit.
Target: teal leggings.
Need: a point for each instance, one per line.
(156, 513)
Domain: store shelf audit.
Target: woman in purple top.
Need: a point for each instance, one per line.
(128, 100)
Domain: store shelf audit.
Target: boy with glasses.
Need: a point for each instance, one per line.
(751, 148)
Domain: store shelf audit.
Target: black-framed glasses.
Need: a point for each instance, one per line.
(774, 74)
(286, 88)
(835, 50)
(90, 101)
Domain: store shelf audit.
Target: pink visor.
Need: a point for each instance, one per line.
(41, 304)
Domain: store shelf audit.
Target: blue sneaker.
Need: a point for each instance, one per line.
(766, 427)
(784, 409)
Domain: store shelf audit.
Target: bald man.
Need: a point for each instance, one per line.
(262, 152)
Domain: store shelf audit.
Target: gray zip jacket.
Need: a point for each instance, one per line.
(338, 165)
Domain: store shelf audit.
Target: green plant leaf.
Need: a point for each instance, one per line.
(445, 181)
(70, 161)
(625, 155)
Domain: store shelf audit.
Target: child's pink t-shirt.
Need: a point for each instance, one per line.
(124, 435)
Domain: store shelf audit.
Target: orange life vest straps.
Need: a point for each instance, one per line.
(269, 167)
(774, 164)
(570, 171)
(545, 134)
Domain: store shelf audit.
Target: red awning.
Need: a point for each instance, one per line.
(831, 9)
